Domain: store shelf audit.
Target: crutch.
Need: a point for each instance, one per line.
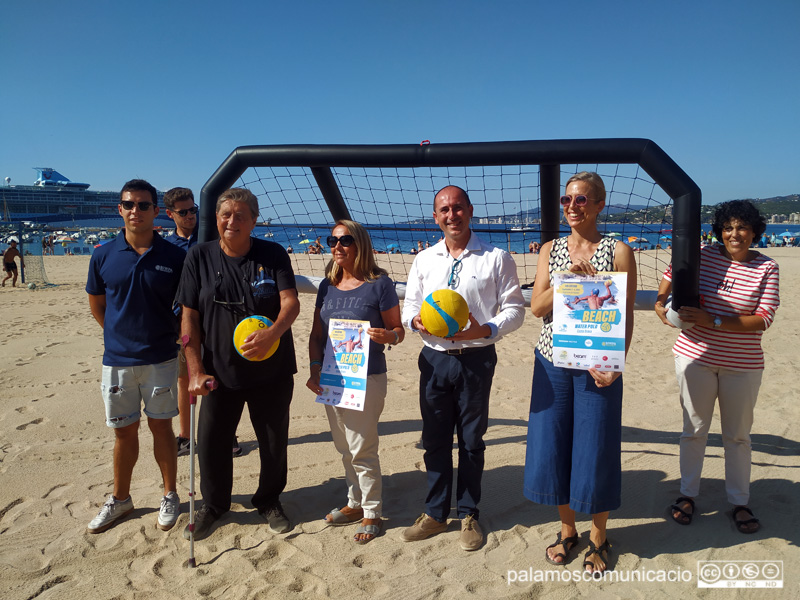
(211, 384)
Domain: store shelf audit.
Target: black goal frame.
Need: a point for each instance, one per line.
(549, 155)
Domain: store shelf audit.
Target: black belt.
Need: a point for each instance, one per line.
(467, 350)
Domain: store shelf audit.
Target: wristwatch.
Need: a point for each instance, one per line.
(717, 321)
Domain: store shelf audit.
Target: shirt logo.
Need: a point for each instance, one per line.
(163, 269)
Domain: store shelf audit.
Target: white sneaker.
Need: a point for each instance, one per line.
(169, 511)
(113, 510)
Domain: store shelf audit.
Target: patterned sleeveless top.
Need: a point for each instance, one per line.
(602, 259)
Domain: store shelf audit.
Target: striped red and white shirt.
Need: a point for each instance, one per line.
(729, 288)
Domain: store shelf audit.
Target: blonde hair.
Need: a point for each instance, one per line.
(365, 266)
(593, 180)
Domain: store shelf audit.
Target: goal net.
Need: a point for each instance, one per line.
(515, 205)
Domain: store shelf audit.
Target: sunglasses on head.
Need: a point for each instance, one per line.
(345, 240)
(186, 211)
(579, 200)
(129, 204)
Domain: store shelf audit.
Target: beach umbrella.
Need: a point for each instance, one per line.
(393, 246)
(665, 237)
(787, 234)
(637, 240)
(614, 234)
(64, 239)
(305, 241)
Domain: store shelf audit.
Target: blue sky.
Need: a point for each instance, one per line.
(108, 91)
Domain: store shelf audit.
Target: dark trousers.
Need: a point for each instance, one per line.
(454, 396)
(220, 412)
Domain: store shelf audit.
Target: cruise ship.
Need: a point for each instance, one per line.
(53, 198)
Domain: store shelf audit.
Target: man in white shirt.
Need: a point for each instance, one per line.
(456, 373)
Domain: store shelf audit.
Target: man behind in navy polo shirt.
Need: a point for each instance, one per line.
(179, 202)
(131, 285)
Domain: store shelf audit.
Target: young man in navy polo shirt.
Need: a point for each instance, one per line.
(131, 286)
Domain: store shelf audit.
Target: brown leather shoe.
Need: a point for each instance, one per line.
(471, 534)
(423, 527)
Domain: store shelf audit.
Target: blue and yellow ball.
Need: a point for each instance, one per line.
(444, 313)
(250, 325)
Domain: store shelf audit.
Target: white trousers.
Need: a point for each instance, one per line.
(355, 436)
(700, 386)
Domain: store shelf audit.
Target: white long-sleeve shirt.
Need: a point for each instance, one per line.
(487, 280)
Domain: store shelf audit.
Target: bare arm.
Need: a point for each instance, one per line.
(392, 324)
(664, 289)
(741, 323)
(97, 304)
(190, 326)
(542, 292)
(626, 261)
(316, 341)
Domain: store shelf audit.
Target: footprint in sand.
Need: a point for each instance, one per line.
(25, 425)
(60, 487)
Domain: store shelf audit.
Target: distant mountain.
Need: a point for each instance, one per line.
(642, 213)
(778, 205)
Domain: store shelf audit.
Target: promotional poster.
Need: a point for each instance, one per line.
(344, 368)
(589, 321)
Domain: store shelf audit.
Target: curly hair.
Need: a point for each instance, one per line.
(743, 211)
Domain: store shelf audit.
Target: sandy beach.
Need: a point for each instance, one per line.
(56, 470)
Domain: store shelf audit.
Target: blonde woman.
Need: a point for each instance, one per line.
(356, 288)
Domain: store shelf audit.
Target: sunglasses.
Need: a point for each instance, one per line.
(455, 269)
(579, 200)
(186, 211)
(345, 240)
(129, 204)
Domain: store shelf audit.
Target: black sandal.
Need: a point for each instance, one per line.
(684, 514)
(740, 524)
(604, 547)
(568, 543)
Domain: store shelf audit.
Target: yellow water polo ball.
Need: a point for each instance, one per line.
(250, 325)
(444, 313)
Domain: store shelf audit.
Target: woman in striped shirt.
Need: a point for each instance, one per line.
(720, 357)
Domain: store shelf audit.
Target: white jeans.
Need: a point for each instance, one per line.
(355, 435)
(700, 386)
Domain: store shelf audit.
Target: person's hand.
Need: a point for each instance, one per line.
(473, 331)
(661, 311)
(198, 385)
(698, 316)
(417, 323)
(604, 378)
(313, 380)
(380, 335)
(582, 265)
(258, 343)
